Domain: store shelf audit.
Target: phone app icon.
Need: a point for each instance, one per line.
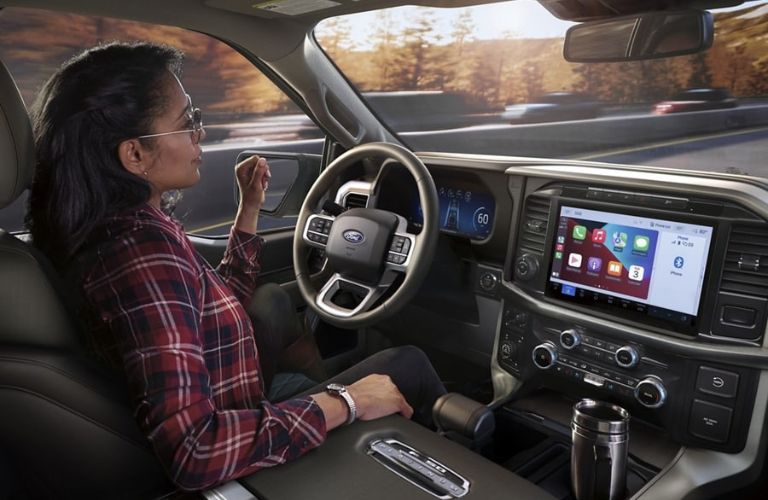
(636, 273)
(579, 232)
(619, 240)
(595, 264)
(614, 268)
(558, 255)
(561, 239)
(641, 243)
(559, 247)
(598, 236)
(574, 260)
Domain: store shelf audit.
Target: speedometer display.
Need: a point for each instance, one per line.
(465, 212)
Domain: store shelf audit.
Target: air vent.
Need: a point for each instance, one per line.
(535, 222)
(746, 262)
(355, 200)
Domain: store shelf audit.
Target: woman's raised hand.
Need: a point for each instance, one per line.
(253, 180)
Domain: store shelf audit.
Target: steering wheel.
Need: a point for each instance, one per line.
(367, 248)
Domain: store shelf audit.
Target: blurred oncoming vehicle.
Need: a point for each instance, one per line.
(696, 100)
(555, 106)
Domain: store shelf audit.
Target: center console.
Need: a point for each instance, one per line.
(647, 271)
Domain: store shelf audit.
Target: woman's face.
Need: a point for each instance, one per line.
(175, 159)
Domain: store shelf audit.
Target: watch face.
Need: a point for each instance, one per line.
(335, 387)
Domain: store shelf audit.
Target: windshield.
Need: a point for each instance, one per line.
(491, 79)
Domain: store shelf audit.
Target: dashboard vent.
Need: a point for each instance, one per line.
(746, 261)
(535, 222)
(355, 200)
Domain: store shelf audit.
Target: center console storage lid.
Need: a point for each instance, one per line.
(342, 468)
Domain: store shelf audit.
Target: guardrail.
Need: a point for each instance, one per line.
(564, 139)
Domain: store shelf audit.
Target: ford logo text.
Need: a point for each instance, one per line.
(353, 236)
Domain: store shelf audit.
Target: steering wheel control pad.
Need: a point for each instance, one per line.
(359, 241)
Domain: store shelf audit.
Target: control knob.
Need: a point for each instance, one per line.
(545, 355)
(526, 267)
(626, 357)
(570, 338)
(650, 392)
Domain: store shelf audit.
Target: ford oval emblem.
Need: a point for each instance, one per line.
(353, 236)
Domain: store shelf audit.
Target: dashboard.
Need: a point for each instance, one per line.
(643, 288)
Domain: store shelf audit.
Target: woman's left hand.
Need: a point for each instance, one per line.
(253, 180)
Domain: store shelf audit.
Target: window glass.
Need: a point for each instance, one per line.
(242, 108)
(491, 79)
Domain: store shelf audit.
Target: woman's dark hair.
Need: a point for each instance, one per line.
(95, 101)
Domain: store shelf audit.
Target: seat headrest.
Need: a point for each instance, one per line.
(17, 150)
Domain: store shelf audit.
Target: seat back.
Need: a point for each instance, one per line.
(66, 423)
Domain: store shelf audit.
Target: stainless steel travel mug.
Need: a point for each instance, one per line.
(600, 433)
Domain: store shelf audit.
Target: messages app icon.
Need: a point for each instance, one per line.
(579, 232)
(641, 243)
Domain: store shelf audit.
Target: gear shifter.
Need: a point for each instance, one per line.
(463, 420)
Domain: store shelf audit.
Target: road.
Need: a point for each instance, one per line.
(738, 152)
(207, 208)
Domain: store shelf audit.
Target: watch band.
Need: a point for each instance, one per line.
(341, 391)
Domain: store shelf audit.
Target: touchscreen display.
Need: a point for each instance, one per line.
(651, 266)
(464, 211)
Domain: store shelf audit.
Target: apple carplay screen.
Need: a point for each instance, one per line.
(647, 267)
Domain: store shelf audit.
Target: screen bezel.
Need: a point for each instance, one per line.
(643, 318)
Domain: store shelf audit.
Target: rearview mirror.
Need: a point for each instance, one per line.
(643, 36)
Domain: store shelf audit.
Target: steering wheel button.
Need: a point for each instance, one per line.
(406, 245)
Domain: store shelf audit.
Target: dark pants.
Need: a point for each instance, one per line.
(277, 325)
(410, 370)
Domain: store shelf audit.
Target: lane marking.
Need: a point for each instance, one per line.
(657, 145)
(207, 228)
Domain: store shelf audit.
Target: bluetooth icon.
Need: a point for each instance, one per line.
(679, 261)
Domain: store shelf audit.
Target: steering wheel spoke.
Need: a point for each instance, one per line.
(317, 229)
(403, 247)
(369, 294)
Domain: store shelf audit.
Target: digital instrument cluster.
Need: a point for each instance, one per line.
(463, 211)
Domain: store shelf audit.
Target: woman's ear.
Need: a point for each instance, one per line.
(133, 157)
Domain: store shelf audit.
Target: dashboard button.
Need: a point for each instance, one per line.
(488, 281)
(710, 421)
(526, 267)
(570, 338)
(650, 392)
(627, 357)
(544, 355)
(717, 382)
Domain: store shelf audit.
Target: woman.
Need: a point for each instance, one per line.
(114, 131)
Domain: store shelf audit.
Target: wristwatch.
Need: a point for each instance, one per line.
(341, 391)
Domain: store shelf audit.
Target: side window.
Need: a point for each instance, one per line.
(242, 108)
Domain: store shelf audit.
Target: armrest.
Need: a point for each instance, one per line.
(342, 468)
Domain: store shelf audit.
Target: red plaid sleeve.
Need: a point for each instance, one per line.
(149, 288)
(240, 266)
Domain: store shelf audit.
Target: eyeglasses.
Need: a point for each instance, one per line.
(195, 132)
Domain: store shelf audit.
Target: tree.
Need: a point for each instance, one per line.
(701, 75)
(384, 52)
(533, 80)
(412, 58)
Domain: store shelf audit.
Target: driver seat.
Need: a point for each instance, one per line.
(66, 424)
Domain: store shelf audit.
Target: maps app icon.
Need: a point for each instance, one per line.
(619, 239)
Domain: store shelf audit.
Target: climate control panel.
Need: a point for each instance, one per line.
(701, 403)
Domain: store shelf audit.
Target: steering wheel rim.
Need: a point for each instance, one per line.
(423, 249)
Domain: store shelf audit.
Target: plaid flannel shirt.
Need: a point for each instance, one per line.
(187, 348)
